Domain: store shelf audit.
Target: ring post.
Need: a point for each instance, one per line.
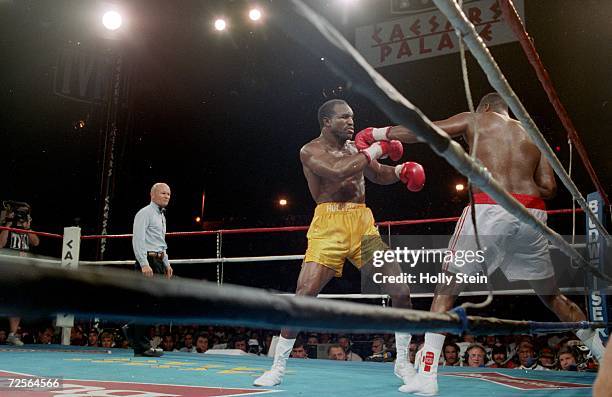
(597, 249)
(71, 248)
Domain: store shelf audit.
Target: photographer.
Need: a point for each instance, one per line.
(17, 215)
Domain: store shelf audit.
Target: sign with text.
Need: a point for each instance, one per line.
(428, 34)
(82, 75)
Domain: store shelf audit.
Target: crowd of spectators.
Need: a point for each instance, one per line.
(545, 352)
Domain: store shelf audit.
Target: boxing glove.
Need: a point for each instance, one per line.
(382, 149)
(366, 137)
(412, 175)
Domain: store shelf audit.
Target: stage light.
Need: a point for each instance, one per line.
(220, 24)
(282, 202)
(111, 20)
(255, 14)
(459, 187)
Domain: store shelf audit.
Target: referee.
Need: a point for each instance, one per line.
(150, 246)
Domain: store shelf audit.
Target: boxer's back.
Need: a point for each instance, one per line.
(507, 152)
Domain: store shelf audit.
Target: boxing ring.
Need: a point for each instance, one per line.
(190, 375)
(115, 372)
(40, 287)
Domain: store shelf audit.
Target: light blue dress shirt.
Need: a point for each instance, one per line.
(149, 234)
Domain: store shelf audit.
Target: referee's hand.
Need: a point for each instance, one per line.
(147, 271)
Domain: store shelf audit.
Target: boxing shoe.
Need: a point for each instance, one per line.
(14, 340)
(150, 352)
(425, 382)
(421, 385)
(272, 377)
(404, 370)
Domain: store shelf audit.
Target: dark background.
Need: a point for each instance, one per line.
(228, 113)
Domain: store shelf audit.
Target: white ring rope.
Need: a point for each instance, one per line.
(241, 259)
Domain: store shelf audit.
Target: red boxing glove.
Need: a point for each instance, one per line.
(412, 174)
(365, 138)
(378, 150)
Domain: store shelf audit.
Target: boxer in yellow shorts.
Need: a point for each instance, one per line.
(341, 231)
(343, 227)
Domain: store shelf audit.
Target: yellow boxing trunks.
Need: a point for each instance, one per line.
(341, 231)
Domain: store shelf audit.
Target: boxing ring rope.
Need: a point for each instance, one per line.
(498, 81)
(260, 229)
(18, 230)
(512, 18)
(221, 259)
(316, 34)
(188, 301)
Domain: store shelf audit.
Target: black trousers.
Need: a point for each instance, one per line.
(140, 337)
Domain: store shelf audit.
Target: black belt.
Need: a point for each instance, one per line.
(158, 255)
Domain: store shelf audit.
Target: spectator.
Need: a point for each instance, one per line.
(499, 356)
(312, 340)
(412, 350)
(2, 337)
(150, 246)
(346, 344)
(45, 336)
(154, 338)
(202, 343)
(490, 341)
(107, 340)
(267, 343)
(241, 342)
(451, 355)
(298, 350)
(325, 338)
(379, 351)
(475, 355)
(92, 338)
(17, 215)
(76, 336)
(336, 352)
(188, 346)
(254, 347)
(547, 358)
(567, 359)
(526, 356)
(167, 343)
(471, 339)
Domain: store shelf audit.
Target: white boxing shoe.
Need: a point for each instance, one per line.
(422, 385)
(270, 378)
(14, 340)
(404, 370)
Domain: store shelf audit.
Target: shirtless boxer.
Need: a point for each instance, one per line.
(516, 162)
(343, 227)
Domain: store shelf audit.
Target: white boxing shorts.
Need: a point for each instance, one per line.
(509, 244)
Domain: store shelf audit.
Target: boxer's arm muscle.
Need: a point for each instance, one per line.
(456, 125)
(380, 174)
(453, 126)
(545, 179)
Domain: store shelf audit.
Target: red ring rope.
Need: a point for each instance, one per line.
(260, 229)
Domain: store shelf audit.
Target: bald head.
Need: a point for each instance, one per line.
(160, 194)
(493, 102)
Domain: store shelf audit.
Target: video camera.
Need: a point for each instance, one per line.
(15, 212)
